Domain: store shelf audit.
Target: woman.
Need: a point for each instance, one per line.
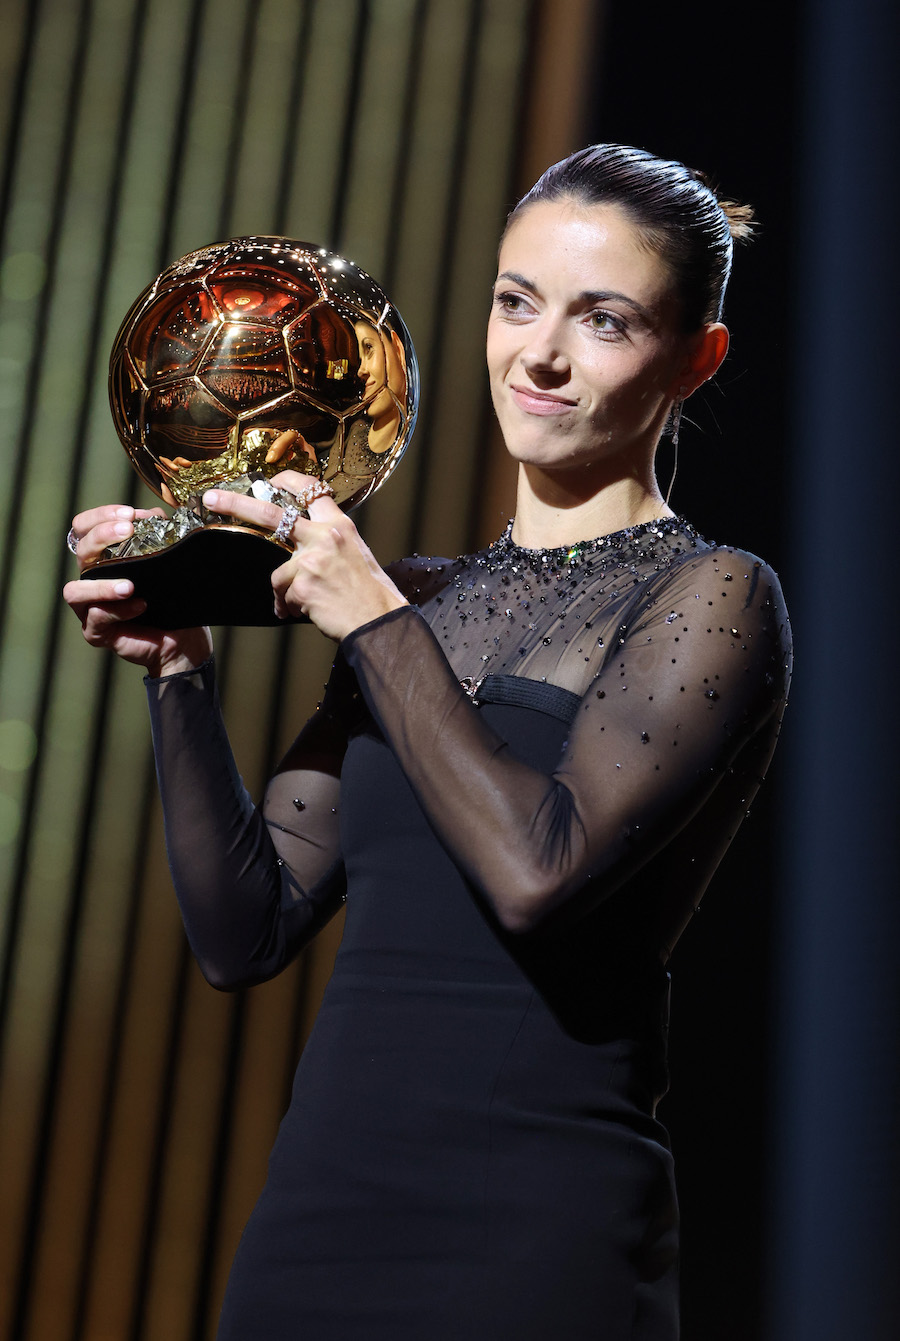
(528, 764)
(356, 458)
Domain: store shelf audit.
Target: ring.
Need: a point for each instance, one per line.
(72, 541)
(283, 530)
(318, 489)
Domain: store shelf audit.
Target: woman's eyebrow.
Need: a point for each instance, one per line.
(610, 295)
(587, 297)
(515, 278)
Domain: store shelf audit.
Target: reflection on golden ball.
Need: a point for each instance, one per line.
(260, 355)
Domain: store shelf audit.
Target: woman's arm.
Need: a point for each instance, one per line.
(699, 673)
(702, 670)
(255, 883)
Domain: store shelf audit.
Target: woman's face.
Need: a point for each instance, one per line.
(373, 370)
(583, 346)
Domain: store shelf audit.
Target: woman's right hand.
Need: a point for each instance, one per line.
(107, 607)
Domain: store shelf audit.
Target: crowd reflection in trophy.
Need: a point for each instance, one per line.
(351, 459)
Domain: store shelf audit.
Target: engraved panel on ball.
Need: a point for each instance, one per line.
(185, 426)
(271, 271)
(352, 289)
(296, 435)
(381, 422)
(324, 354)
(260, 302)
(126, 396)
(195, 263)
(245, 366)
(345, 283)
(170, 334)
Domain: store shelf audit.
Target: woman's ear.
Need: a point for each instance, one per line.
(396, 366)
(708, 348)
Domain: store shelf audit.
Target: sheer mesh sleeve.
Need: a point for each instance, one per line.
(254, 883)
(699, 671)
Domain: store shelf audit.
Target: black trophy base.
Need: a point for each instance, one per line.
(217, 575)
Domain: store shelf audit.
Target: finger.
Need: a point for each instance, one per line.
(102, 619)
(284, 575)
(90, 547)
(110, 527)
(88, 591)
(295, 481)
(243, 507)
(289, 582)
(276, 452)
(288, 599)
(326, 510)
(305, 488)
(86, 521)
(285, 611)
(322, 529)
(99, 619)
(282, 446)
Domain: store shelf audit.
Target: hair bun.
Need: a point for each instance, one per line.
(740, 219)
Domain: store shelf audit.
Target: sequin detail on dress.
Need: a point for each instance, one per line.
(638, 540)
(552, 615)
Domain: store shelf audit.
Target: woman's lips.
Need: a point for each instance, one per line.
(540, 402)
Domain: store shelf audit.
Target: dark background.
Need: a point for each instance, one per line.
(693, 82)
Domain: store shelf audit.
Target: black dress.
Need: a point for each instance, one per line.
(471, 1149)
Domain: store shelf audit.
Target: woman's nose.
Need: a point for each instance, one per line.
(544, 352)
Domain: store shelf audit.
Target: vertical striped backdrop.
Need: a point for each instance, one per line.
(137, 1105)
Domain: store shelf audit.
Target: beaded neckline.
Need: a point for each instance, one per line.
(506, 551)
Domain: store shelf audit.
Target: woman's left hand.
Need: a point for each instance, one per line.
(332, 576)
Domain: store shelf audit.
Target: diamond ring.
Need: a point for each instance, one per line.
(282, 532)
(318, 489)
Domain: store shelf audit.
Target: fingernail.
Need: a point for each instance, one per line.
(122, 588)
(211, 499)
(123, 528)
(124, 512)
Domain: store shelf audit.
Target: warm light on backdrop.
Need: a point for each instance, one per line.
(137, 1106)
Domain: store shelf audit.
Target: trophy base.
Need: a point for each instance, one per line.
(214, 575)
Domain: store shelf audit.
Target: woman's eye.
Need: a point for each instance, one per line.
(606, 323)
(509, 302)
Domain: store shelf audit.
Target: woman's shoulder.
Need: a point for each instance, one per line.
(730, 588)
(711, 563)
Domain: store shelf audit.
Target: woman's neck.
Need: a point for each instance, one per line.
(383, 433)
(550, 514)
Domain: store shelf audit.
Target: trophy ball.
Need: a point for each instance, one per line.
(259, 355)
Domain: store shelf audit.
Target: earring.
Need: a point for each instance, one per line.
(675, 421)
(673, 428)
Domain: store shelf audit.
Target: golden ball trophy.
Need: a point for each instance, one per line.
(241, 360)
